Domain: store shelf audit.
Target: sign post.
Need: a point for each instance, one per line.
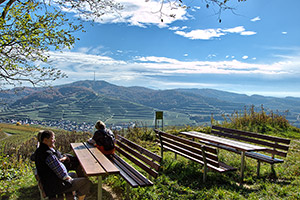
(159, 115)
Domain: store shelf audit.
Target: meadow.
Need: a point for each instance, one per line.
(179, 178)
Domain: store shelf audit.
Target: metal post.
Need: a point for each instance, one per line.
(272, 165)
(161, 146)
(205, 164)
(258, 167)
(242, 166)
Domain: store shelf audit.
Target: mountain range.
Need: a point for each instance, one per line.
(88, 101)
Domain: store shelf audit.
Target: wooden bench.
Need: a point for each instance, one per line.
(202, 154)
(67, 196)
(276, 145)
(138, 155)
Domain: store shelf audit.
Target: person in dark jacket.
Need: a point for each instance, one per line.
(100, 137)
(52, 172)
(71, 162)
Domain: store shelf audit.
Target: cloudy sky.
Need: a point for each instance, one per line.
(254, 50)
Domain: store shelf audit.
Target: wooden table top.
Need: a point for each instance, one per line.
(93, 161)
(224, 141)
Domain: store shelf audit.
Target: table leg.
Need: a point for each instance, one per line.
(99, 187)
(242, 166)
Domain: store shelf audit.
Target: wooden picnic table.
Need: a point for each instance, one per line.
(94, 162)
(220, 141)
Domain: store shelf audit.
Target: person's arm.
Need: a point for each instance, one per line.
(91, 141)
(58, 167)
(98, 138)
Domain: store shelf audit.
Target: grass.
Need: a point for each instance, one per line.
(178, 178)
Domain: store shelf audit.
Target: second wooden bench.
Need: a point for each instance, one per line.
(202, 154)
(276, 146)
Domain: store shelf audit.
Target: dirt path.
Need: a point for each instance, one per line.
(114, 196)
(7, 135)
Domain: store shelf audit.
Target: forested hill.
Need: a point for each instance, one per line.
(91, 100)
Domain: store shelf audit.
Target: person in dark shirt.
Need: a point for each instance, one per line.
(101, 134)
(71, 162)
(53, 174)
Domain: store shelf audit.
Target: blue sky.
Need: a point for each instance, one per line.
(254, 50)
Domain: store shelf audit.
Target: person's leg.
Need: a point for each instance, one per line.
(81, 185)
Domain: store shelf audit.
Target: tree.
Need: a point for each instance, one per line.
(30, 28)
(174, 4)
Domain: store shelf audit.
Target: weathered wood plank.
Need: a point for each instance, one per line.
(89, 164)
(106, 164)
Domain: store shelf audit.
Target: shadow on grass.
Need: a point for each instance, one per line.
(106, 195)
(32, 193)
(29, 193)
(190, 174)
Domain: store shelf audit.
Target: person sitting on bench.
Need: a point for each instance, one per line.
(103, 139)
(53, 174)
(71, 162)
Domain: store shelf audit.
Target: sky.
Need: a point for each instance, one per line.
(255, 49)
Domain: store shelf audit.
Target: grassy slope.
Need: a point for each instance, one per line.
(179, 179)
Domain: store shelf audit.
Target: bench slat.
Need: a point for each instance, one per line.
(139, 156)
(189, 148)
(263, 157)
(103, 161)
(251, 134)
(91, 166)
(188, 142)
(191, 154)
(223, 167)
(276, 152)
(123, 173)
(137, 162)
(132, 172)
(139, 148)
(265, 143)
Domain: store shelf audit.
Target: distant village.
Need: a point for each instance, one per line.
(66, 124)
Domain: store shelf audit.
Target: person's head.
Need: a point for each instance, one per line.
(47, 137)
(100, 125)
(39, 136)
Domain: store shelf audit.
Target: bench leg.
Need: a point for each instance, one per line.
(258, 168)
(99, 187)
(242, 166)
(273, 170)
(204, 173)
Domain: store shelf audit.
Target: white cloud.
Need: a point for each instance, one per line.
(176, 28)
(207, 34)
(173, 66)
(212, 56)
(81, 66)
(141, 13)
(256, 19)
(248, 33)
(284, 33)
(201, 34)
(238, 29)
